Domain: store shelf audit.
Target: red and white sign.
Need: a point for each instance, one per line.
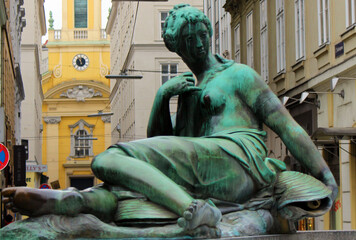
(45, 186)
(4, 157)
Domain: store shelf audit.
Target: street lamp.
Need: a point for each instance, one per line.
(285, 99)
(334, 81)
(306, 94)
(100, 113)
(123, 75)
(87, 138)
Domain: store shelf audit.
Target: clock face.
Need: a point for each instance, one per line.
(80, 62)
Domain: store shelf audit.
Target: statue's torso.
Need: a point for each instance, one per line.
(217, 107)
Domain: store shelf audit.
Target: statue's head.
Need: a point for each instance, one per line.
(180, 16)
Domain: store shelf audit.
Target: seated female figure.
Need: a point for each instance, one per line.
(215, 148)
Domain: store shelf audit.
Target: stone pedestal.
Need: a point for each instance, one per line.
(315, 235)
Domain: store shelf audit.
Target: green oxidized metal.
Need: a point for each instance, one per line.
(204, 174)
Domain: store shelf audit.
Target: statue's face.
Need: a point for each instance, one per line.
(195, 42)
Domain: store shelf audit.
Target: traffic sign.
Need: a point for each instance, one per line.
(45, 186)
(4, 156)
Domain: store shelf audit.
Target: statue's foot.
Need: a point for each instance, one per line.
(199, 213)
(27, 201)
(205, 232)
(36, 202)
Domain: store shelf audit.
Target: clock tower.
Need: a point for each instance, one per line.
(75, 87)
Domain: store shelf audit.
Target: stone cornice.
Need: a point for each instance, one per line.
(78, 43)
(106, 119)
(52, 120)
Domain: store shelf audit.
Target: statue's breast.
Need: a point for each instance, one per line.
(213, 100)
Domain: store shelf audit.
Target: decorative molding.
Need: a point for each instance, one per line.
(57, 70)
(106, 119)
(62, 87)
(80, 93)
(81, 123)
(52, 120)
(104, 70)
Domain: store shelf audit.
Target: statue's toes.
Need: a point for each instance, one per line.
(182, 222)
(7, 192)
(188, 215)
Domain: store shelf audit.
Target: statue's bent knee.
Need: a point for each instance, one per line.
(96, 164)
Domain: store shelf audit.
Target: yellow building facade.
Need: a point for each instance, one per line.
(75, 87)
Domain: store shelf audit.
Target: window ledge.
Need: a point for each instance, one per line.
(73, 164)
(350, 31)
(280, 76)
(324, 48)
(299, 64)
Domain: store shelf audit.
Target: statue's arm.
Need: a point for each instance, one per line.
(160, 122)
(269, 109)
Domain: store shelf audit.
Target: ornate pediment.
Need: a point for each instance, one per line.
(80, 93)
(81, 123)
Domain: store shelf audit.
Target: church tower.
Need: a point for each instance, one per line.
(74, 88)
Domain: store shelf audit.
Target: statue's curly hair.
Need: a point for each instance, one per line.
(178, 17)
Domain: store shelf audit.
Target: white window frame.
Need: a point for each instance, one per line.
(249, 38)
(169, 74)
(225, 31)
(81, 145)
(281, 62)
(264, 40)
(209, 13)
(299, 29)
(237, 43)
(350, 13)
(217, 26)
(323, 22)
(161, 22)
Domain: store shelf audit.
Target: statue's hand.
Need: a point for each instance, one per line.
(178, 85)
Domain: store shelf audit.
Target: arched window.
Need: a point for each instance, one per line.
(81, 146)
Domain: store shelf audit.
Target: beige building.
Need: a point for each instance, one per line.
(300, 48)
(31, 107)
(221, 21)
(138, 49)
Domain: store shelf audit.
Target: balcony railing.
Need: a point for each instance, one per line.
(57, 34)
(80, 34)
(102, 34)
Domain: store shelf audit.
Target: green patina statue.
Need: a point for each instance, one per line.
(204, 173)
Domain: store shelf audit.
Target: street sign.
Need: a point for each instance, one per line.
(36, 168)
(45, 186)
(4, 156)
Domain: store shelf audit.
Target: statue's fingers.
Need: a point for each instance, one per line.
(193, 89)
(186, 74)
(190, 79)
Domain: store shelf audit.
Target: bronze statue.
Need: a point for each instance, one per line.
(207, 163)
